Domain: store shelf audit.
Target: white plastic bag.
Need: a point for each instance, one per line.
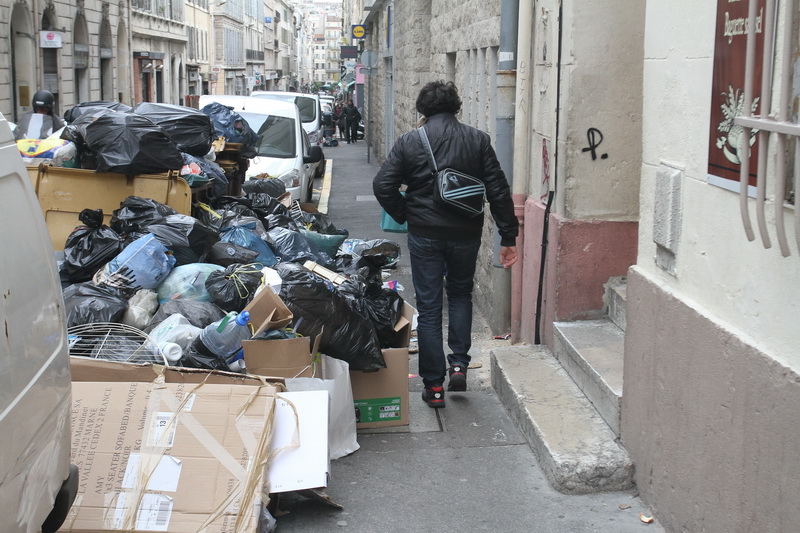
(141, 308)
(342, 425)
(175, 329)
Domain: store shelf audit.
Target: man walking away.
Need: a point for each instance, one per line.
(42, 121)
(352, 116)
(443, 246)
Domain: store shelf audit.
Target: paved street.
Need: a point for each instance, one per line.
(463, 468)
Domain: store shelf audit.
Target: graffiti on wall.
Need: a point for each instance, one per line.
(594, 137)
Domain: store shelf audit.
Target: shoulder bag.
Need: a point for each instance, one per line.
(455, 191)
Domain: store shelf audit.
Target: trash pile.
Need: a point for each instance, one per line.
(187, 281)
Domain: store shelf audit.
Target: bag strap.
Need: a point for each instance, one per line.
(424, 137)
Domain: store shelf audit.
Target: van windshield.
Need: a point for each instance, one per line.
(276, 134)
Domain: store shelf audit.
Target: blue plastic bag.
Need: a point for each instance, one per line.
(143, 264)
(246, 236)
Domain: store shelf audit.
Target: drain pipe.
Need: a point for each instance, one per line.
(537, 335)
(505, 85)
(522, 127)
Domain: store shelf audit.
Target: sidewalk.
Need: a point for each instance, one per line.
(463, 468)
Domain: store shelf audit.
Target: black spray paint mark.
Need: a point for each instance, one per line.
(594, 137)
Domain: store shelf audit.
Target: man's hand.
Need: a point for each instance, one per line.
(508, 256)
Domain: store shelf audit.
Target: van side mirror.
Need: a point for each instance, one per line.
(315, 155)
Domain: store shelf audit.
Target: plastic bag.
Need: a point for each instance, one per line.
(342, 423)
(135, 214)
(246, 236)
(55, 152)
(189, 129)
(271, 186)
(187, 282)
(291, 246)
(229, 253)
(86, 303)
(193, 359)
(143, 264)
(130, 144)
(89, 247)
(186, 237)
(233, 288)
(264, 205)
(346, 335)
(199, 314)
(233, 127)
(176, 329)
(327, 243)
(141, 308)
(369, 299)
(198, 171)
(72, 114)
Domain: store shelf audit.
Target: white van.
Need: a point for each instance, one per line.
(283, 150)
(37, 482)
(310, 110)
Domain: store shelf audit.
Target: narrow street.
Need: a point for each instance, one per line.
(463, 468)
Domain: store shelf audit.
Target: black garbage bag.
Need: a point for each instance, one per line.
(281, 220)
(86, 303)
(229, 253)
(276, 334)
(376, 254)
(271, 186)
(239, 204)
(187, 238)
(192, 358)
(189, 129)
(291, 246)
(89, 247)
(229, 124)
(128, 143)
(265, 205)
(135, 214)
(346, 335)
(199, 314)
(72, 114)
(233, 288)
(366, 296)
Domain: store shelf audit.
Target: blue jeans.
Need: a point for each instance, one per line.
(437, 265)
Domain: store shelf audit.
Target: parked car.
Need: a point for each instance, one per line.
(283, 149)
(310, 110)
(37, 482)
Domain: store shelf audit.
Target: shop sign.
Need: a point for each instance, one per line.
(50, 39)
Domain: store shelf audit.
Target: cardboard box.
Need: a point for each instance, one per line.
(267, 311)
(188, 450)
(381, 398)
(286, 358)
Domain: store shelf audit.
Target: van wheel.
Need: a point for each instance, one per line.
(63, 502)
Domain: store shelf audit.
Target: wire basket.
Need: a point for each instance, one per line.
(114, 342)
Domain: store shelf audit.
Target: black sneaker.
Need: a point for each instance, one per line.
(433, 396)
(458, 378)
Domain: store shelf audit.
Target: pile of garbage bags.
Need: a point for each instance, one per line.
(150, 138)
(171, 275)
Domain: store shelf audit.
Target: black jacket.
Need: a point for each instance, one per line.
(351, 114)
(455, 146)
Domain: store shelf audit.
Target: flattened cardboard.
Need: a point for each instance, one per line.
(267, 311)
(306, 466)
(131, 447)
(285, 358)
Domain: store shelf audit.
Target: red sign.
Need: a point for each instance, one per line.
(727, 93)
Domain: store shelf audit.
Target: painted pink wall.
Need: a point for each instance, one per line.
(581, 256)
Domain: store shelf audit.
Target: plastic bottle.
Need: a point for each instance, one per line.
(225, 336)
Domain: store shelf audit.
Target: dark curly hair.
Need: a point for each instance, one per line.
(438, 97)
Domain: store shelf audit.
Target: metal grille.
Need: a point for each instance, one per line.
(778, 132)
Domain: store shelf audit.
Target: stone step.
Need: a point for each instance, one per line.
(615, 300)
(592, 353)
(575, 447)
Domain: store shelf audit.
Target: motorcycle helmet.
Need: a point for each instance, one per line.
(43, 99)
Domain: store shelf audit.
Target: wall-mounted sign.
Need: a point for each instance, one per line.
(50, 39)
(727, 92)
(267, 20)
(348, 52)
(358, 31)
